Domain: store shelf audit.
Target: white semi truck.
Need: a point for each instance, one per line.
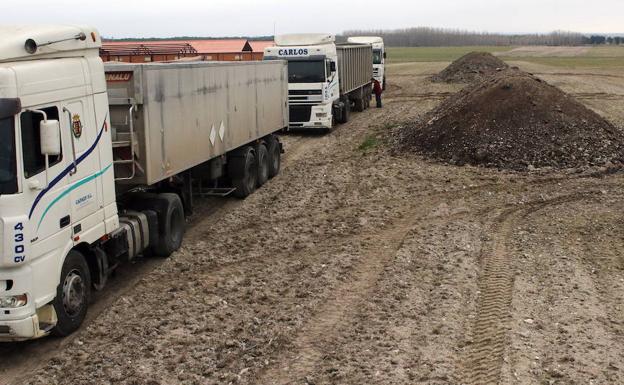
(98, 164)
(326, 80)
(379, 55)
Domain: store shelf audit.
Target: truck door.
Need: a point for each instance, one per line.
(50, 211)
(79, 121)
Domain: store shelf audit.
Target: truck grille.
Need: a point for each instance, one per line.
(300, 113)
(5, 329)
(305, 96)
(305, 92)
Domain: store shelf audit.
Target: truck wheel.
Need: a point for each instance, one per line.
(263, 164)
(275, 157)
(171, 223)
(72, 295)
(359, 105)
(245, 171)
(346, 111)
(154, 232)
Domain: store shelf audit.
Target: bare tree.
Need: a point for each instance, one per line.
(438, 37)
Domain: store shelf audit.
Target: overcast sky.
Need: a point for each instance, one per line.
(156, 18)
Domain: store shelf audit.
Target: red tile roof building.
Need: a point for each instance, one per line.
(170, 50)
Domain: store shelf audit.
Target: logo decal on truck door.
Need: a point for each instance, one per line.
(77, 126)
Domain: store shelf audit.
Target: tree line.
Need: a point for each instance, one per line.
(438, 37)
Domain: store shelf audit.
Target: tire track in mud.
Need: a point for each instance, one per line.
(319, 330)
(597, 95)
(311, 341)
(483, 362)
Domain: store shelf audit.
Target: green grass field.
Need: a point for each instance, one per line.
(606, 56)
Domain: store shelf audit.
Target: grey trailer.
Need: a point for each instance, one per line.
(355, 71)
(169, 118)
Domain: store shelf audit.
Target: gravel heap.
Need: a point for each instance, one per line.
(472, 67)
(515, 121)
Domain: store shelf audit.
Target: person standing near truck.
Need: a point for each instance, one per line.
(377, 90)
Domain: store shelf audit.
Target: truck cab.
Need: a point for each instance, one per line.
(80, 195)
(313, 80)
(379, 55)
(56, 182)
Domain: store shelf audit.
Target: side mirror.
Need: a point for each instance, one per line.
(385, 55)
(50, 132)
(332, 66)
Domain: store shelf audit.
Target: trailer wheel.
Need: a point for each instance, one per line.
(263, 164)
(346, 111)
(275, 157)
(359, 104)
(171, 224)
(72, 294)
(244, 169)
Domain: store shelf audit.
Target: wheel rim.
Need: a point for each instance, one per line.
(73, 293)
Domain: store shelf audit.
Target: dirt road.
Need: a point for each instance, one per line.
(360, 266)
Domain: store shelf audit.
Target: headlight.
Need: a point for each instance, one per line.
(321, 114)
(13, 302)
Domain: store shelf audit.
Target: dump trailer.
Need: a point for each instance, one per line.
(355, 72)
(326, 81)
(99, 165)
(379, 55)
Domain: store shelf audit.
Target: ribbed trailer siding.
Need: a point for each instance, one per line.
(189, 113)
(355, 66)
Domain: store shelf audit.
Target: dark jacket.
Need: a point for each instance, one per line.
(377, 90)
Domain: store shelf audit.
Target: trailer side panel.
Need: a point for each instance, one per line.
(355, 67)
(189, 113)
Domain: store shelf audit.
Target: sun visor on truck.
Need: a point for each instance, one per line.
(10, 107)
(297, 58)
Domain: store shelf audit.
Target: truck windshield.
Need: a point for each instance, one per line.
(377, 56)
(306, 71)
(8, 177)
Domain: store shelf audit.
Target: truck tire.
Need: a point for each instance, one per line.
(275, 157)
(346, 111)
(263, 164)
(244, 171)
(171, 224)
(359, 104)
(72, 294)
(154, 236)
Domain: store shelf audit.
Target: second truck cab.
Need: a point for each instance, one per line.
(379, 55)
(313, 83)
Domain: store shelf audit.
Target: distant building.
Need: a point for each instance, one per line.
(172, 50)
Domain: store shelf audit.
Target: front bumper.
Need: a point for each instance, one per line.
(316, 121)
(21, 330)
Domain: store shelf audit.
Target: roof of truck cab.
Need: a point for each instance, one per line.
(365, 39)
(303, 39)
(13, 39)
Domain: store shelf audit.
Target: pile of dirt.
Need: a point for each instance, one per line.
(472, 67)
(515, 121)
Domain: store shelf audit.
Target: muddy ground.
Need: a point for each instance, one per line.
(356, 266)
